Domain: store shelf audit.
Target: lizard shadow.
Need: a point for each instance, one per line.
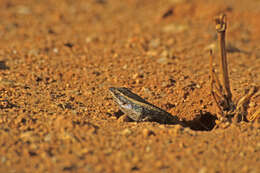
(205, 122)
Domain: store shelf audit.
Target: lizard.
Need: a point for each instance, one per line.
(138, 109)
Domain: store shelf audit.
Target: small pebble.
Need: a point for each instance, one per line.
(162, 60)
(148, 149)
(159, 164)
(3, 159)
(252, 104)
(126, 132)
(177, 128)
(147, 132)
(152, 53)
(23, 10)
(162, 126)
(165, 54)
(146, 90)
(154, 43)
(55, 50)
(125, 67)
(198, 86)
(135, 75)
(203, 170)
(175, 28)
(47, 138)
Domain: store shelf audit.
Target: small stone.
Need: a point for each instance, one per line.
(47, 138)
(138, 81)
(175, 28)
(258, 145)
(162, 60)
(147, 133)
(176, 1)
(159, 164)
(92, 38)
(26, 135)
(182, 145)
(252, 104)
(88, 39)
(148, 149)
(146, 90)
(198, 86)
(115, 55)
(135, 75)
(108, 151)
(162, 126)
(152, 53)
(55, 50)
(225, 125)
(234, 69)
(33, 52)
(164, 84)
(126, 132)
(171, 41)
(177, 129)
(242, 154)
(23, 10)
(136, 160)
(154, 43)
(125, 67)
(3, 159)
(203, 170)
(165, 54)
(190, 132)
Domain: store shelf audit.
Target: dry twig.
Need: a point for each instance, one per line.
(221, 91)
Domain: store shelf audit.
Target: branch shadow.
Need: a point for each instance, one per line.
(205, 122)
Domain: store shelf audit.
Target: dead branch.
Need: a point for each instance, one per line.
(221, 91)
(221, 26)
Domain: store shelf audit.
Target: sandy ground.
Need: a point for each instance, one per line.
(58, 59)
